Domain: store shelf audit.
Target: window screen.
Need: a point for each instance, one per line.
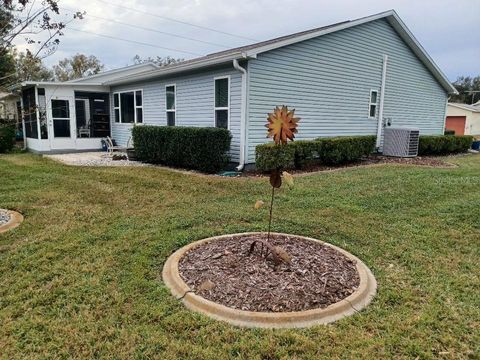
(127, 107)
(372, 107)
(221, 92)
(222, 102)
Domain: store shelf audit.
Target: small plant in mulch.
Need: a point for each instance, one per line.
(282, 127)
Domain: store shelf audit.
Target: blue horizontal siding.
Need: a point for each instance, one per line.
(195, 103)
(328, 81)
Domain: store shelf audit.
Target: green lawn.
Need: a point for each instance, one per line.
(81, 277)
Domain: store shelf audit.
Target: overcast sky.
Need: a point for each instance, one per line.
(448, 29)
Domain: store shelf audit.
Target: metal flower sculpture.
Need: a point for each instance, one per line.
(282, 126)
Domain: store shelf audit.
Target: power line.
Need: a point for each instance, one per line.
(135, 42)
(153, 30)
(175, 20)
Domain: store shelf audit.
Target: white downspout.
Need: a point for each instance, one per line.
(382, 98)
(243, 114)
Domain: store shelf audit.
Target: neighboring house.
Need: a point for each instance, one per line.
(9, 106)
(342, 79)
(463, 119)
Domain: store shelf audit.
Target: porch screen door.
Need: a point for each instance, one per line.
(62, 124)
(61, 118)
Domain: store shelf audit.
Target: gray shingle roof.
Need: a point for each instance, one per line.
(244, 48)
(273, 41)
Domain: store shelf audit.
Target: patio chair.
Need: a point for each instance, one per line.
(111, 147)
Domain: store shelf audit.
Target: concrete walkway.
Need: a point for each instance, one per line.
(97, 158)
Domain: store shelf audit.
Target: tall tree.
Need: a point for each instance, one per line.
(160, 61)
(7, 68)
(32, 19)
(7, 62)
(468, 88)
(77, 66)
(30, 68)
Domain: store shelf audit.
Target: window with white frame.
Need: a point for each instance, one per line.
(222, 102)
(372, 106)
(128, 107)
(170, 104)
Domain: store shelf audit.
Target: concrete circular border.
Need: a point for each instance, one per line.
(15, 219)
(296, 319)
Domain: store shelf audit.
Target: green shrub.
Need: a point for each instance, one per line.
(449, 132)
(7, 138)
(306, 152)
(203, 149)
(328, 151)
(444, 144)
(344, 150)
(271, 156)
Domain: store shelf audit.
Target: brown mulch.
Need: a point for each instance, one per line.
(223, 272)
(370, 160)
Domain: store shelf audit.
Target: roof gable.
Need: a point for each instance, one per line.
(251, 51)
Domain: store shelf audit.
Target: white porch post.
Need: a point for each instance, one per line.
(37, 113)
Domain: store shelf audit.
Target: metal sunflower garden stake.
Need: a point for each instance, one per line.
(282, 127)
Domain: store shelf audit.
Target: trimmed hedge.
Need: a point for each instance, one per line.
(271, 156)
(196, 148)
(343, 150)
(7, 138)
(328, 151)
(444, 144)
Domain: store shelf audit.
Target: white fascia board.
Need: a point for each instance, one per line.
(422, 54)
(173, 69)
(464, 108)
(58, 83)
(115, 71)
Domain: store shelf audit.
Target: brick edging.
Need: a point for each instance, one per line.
(15, 219)
(297, 319)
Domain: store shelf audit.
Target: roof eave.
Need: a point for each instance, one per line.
(115, 71)
(459, 106)
(51, 83)
(180, 67)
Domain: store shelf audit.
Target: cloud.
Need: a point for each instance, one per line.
(445, 28)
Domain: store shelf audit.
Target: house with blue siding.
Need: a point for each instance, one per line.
(350, 78)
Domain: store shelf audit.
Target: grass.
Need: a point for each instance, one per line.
(80, 278)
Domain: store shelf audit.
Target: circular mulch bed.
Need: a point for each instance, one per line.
(218, 277)
(9, 219)
(223, 272)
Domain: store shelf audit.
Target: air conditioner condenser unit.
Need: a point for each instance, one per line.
(400, 142)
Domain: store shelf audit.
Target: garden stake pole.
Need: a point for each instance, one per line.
(271, 209)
